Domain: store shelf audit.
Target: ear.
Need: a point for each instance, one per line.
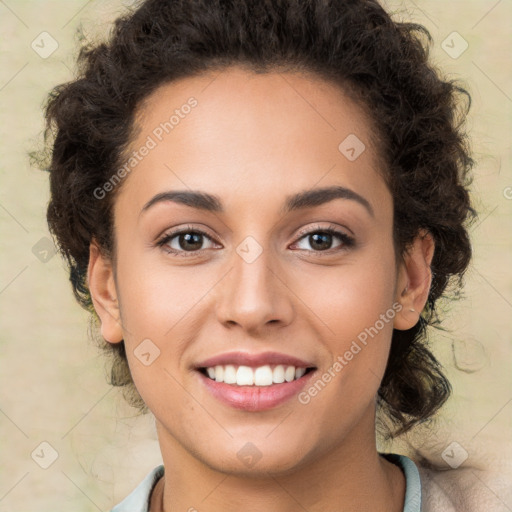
(414, 280)
(101, 283)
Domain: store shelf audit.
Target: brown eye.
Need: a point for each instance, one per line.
(320, 241)
(186, 241)
(189, 241)
(323, 239)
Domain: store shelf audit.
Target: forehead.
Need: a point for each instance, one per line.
(258, 135)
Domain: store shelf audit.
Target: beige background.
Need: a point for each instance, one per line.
(52, 379)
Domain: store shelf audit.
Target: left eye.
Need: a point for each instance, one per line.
(185, 241)
(322, 240)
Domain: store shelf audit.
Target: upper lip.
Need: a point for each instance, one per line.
(254, 360)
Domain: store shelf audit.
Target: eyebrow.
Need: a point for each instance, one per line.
(299, 201)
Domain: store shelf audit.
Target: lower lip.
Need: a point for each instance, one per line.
(255, 398)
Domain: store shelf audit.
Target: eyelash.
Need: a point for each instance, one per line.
(347, 241)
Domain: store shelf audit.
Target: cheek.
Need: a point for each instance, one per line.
(352, 296)
(354, 313)
(156, 302)
(157, 297)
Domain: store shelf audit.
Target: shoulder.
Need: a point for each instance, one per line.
(464, 490)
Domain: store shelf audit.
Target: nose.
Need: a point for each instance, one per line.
(254, 296)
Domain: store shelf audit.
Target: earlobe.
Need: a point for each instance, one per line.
(101, 283)
(415, 278)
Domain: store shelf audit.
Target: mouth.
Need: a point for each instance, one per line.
(254, 382)
(261, 376)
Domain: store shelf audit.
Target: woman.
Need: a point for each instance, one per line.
(261, 203)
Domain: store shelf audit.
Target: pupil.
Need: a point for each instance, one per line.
(318, 238)
(188, 240)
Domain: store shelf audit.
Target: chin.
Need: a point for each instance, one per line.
(256, 459)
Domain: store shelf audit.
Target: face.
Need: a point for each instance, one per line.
(273, 269)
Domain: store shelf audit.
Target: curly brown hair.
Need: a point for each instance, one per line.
(418, 119)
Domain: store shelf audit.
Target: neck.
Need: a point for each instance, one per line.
(347, 477)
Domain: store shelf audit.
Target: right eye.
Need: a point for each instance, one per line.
(182, 241)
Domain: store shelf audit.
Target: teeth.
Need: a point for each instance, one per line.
(278, 374)
(289, 373)
(299, 372)
(261, 376)
(229, 374)
(244, 376)
(219, 373)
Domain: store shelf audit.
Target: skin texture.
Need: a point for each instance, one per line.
(253, 140)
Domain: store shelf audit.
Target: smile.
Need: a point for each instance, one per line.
(254, 382)
(261, 376)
